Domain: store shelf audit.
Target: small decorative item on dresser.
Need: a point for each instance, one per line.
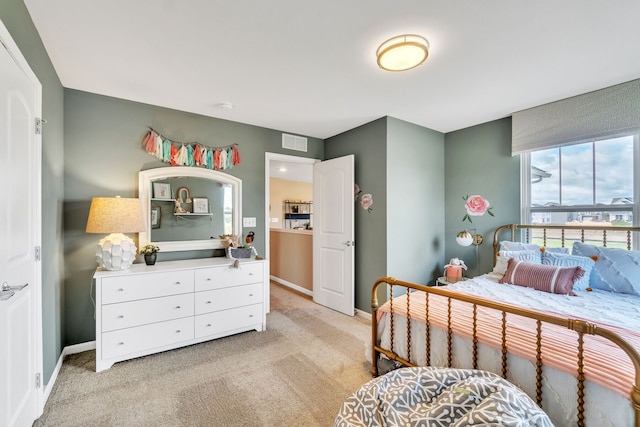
(150, 253)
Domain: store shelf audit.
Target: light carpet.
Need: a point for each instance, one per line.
(296, 373)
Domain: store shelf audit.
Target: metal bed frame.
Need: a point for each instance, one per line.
(565, 234)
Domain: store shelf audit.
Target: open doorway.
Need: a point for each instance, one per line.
(289, 220)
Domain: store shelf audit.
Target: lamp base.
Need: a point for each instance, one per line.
(116, 252)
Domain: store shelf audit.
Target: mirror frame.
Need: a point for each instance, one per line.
(145, 180)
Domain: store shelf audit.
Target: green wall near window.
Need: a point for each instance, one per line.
(478, 161)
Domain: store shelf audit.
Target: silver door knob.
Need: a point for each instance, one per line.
(350, 243)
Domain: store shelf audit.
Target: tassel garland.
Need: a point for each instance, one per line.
(190, 154)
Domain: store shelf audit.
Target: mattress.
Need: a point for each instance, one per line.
(620, 313)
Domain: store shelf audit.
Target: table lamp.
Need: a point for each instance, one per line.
(115, 215)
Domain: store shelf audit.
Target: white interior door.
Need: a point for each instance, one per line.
(333, 234)
(20, 218)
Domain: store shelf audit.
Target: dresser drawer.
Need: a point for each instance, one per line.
(132, 340)
(224, 276)
(141, 286)
(142, 312)
(223, 299)
(227, 320)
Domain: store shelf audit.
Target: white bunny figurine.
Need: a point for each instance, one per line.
(456, 262)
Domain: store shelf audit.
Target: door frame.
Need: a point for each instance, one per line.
(16, 54)
(267, 165)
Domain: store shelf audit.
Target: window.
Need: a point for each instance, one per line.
(591, 181)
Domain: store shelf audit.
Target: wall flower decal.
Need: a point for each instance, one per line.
(366, 200)
(476, 206)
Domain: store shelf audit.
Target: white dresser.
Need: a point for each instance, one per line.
(148, 309)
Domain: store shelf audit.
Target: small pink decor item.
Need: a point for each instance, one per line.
(453, 270)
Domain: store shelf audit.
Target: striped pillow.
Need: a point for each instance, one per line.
(547, 278)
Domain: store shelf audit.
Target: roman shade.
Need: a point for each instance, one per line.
(610, 111)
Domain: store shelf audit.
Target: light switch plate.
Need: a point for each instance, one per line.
(249, 221)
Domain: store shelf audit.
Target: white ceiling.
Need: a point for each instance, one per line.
(291, 171)
(309, 67)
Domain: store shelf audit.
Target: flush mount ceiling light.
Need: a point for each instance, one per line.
(402, 53)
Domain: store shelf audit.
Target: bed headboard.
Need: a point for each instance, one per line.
(564, 235)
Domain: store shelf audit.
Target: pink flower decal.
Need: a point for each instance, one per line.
(366, 201)
(476, 206)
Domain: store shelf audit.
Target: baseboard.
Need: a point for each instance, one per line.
(71, 349)
(292, 286)
(363, 314)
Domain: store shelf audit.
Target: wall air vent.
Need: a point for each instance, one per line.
(292, 142)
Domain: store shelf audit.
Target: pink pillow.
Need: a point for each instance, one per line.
(548, 278)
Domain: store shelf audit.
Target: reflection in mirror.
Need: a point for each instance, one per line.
(188, 208)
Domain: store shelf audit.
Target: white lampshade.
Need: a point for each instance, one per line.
(464, 238)
(403, 52)
(115, 215)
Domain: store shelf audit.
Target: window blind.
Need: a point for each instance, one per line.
(604, 112)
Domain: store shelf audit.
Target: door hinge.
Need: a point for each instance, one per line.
(38, 380)
(38, 254)
(39, 123)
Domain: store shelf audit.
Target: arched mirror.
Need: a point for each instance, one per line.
(188, 208)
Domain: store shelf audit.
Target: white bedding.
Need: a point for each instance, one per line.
(596, 306)
(615, 309)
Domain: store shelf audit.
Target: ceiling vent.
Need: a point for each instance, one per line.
(292, 142)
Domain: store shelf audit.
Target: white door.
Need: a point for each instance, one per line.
(20, 315)
(333, 234)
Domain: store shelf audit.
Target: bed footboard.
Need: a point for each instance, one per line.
(580, 327)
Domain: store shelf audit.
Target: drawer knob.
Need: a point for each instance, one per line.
(121, 317)
(120, 290)
(120, 343)
(250, 295)
(250, 274)
(208, 279)
(178, 331)
(178, 282)
(208, 302)
(251, 315)
(178, 307)
(208, 325)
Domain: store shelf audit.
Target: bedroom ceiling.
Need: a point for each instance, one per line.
(309, 68)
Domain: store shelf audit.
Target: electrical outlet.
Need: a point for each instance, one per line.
(249, 221)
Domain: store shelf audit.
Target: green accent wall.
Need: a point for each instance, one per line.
(16, 19)
(415, 202)
(401, 165)
(369, 145)
(478, 161)
(103, 155)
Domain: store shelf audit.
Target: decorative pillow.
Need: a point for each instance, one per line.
(566, 260)
(508, 245)
(616, 270)
(518, 246)
(534, 256)
(548, 278)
